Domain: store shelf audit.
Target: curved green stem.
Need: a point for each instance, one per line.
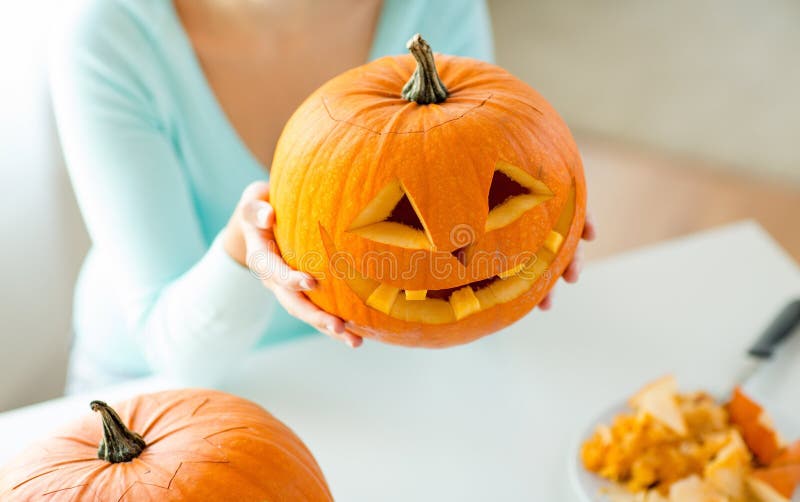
(119, 444)
(424, 86)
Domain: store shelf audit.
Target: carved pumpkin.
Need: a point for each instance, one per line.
(432, 211)
(192, 445)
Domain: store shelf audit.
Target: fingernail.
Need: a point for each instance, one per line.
(307, 283)
(257, 212)
(262, 216)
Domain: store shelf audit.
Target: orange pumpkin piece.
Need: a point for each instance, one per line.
(435, 200)
(756, 427)
(779, 481)
(789, 455)
(775, 484)
(191, 445)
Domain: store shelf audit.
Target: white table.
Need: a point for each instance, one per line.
(496, 420)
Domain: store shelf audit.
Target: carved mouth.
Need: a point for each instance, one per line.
(449, 305)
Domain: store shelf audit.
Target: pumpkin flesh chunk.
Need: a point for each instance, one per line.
(464, 302)
(383, 298)
(553, 241)
(416, 294)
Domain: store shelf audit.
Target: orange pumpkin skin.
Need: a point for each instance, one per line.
(783, 480)
(788, 456)
(356, 135)
(201, 445)
(757, 432)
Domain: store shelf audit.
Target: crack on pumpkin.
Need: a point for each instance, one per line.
(205, 401)
(422, 131)
(56, 467)
(224, 431)
(33, 477)
(160, 414)
(64, 489)
(164, 486)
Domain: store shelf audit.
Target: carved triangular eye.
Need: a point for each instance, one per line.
(405, 214)
(391, 218)
(512, 193)
(503, 188)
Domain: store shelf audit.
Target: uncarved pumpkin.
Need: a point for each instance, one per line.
(169, 446)
(435, 201)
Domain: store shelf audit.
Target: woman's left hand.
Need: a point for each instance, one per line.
(573, 270)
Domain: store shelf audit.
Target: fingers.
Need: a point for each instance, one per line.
(257, 190)
(352, 339)
(546, 302)
(299, 306)
(259, 213)
(573, 271)
(255, 207)
(263, 257)
(589, 228)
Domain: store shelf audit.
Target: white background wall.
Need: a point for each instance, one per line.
(43, 239)
(713, 79)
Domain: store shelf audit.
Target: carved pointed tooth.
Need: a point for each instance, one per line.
(464, 302)
(553, 241)
(383, 298)
(416, 294)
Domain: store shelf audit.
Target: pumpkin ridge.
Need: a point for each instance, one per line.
(318, 147)
(63, 489)
(39, 475)
(164, 410)
(303, 462)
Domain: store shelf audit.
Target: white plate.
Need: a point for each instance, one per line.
(587, 486)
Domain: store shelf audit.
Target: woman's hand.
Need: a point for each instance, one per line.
(249, 239)
(573, 270)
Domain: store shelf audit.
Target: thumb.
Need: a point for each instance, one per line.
(258, 213)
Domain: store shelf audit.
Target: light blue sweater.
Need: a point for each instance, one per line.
(157, 169)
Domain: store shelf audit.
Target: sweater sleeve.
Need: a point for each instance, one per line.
(193, 309)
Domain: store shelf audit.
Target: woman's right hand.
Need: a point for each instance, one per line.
(249, 239)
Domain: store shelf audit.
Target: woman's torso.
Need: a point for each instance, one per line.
(222, 112)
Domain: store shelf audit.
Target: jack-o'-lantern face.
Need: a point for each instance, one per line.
(428, 225)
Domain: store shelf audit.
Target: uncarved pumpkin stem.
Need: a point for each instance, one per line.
(119, 444)
(424, 86)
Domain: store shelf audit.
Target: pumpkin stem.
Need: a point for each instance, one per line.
(119, 444)
(424, 86)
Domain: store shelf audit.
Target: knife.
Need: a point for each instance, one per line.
(778, 331)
